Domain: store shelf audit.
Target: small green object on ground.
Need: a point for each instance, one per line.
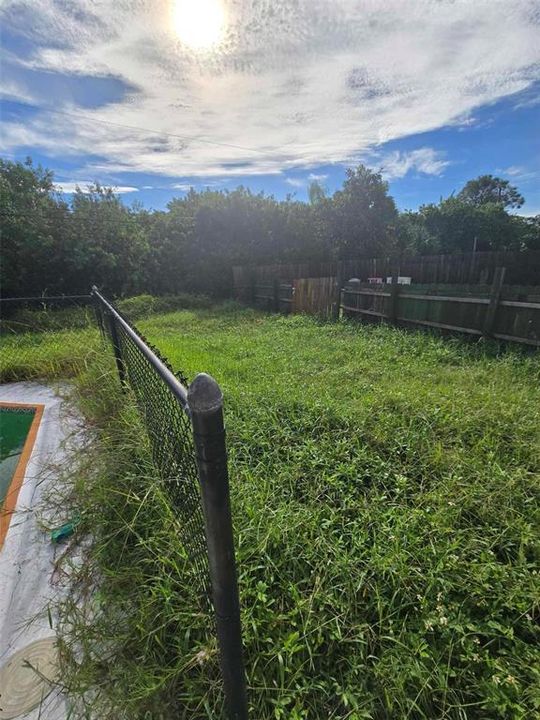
(64, 531)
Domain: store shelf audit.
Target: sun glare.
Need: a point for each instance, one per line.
(200, 24)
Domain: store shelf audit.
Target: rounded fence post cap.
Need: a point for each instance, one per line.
(204, 394)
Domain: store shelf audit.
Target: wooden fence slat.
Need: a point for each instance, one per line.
(515, 320)
(446, 298)
(522, 267)
(314, 296)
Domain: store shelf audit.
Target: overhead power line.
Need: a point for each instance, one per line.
(138, 128)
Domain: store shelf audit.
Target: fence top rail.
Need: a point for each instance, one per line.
(44, 298)
(176, 387)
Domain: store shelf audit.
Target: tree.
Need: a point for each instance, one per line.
(489, 189)
(458, 226)
(529, 232)
(51, 246)
(34, 231)
(360, 217)
(316, 192)
(413, 236)
(109, 245)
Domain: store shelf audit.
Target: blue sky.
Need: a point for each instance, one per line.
(155, 97)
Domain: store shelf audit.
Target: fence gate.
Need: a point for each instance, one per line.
(315, 296)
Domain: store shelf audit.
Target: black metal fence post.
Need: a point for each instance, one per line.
(117, 349)
(205, 402)
(98, 311)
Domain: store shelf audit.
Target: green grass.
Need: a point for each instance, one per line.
(385, 496)
(47, 344)
(384, 493)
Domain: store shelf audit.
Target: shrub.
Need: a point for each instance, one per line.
(137, 307)
(47, 319)
(142, 306)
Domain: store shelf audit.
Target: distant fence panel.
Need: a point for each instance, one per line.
(286, 297)
(464, 309)
(522, 268)
(314, 296)
(459, 308)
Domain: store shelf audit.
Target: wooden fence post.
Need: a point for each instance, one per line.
(339, 284)
(276, 294)
(491, 312)
(394, 299)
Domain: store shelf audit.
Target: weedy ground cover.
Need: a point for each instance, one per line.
(385, 497)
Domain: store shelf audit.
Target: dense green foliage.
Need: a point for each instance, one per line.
(488, 190)
(385, 490)
(50, 246)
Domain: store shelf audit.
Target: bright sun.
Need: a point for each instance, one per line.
(199, 23)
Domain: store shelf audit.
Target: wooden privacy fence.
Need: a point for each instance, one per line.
(506, 312)
(314, 296)
(510, 313)
(522, 268)
(311, 296)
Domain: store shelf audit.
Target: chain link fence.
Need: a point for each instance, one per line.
(52, 337)
(161, 398)
(56, 337)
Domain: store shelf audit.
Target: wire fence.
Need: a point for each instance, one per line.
(46, 337)
(185, 430)
(161, 398)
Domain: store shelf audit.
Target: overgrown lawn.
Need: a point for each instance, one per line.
(385, 492)
(385, 495)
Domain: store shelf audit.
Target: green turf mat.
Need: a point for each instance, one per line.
(14, 427)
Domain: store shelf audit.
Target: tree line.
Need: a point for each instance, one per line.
(53, 246)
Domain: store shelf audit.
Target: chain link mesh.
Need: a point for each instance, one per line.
(56, 339)
(42, 339)
(170, 435)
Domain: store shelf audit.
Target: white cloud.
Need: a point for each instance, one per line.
(147, 187)
(518, 174)
(529, 100)
(424, 160)
(295, 182)
(185, 187)
(83, 186)
(303, 182)
(514, 170)
(292, 84)
(527, 211)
